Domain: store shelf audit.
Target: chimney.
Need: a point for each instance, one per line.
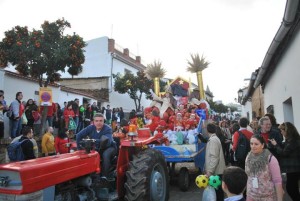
(111, 45)
(126, 52)
(138, 59)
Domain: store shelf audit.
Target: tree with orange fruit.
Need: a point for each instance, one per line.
(42, 53)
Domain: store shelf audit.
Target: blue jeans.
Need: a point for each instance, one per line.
(50, 121)
(76, 119)
(107, 156)
(16, 126)
(79, 126)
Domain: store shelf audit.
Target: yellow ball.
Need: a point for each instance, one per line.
(201, 181)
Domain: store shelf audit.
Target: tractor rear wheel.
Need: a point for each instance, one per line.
(147, 177)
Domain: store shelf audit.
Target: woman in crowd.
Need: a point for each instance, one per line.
(68, 114)
(273, 122)
(57, 118)
(289, 154)
(235, 127)
(29, 108)
(262, 168)
(121, 114)
(226, 132)
(62, 142)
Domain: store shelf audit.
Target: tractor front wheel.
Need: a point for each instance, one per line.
(147, 177)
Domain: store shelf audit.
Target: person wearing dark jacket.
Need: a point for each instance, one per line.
(105, 144)
(30, 106)
(88, 115)
(121, 114)
(289, 153)
(27, 145)
(243, 122)
(268, 134)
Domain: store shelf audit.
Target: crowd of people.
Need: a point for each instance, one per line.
(25, 122)
(272, 149)
(28, 113)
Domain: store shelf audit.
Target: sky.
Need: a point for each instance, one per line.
(233, 35)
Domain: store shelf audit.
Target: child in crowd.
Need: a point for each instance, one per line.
(234, 183)
(62, 142)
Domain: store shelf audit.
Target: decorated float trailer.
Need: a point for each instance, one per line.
(181, 117)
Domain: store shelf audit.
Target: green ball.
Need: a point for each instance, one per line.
(81, 109)
(214, 181)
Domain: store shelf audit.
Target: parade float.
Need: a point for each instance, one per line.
(180, 117)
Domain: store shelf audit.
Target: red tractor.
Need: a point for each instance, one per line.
(140, 173)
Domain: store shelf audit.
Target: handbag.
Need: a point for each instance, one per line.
(209, 194)
(24, 119)
(72, 124)
(9, 114)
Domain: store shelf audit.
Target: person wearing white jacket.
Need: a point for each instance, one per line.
(214, 158)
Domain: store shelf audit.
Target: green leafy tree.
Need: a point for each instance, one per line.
(219, 108)
(42, 53)
(134, 86)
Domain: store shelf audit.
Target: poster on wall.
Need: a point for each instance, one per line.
(45, 96)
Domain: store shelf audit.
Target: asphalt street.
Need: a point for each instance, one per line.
(194, 193)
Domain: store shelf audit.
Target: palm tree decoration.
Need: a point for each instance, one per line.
(155, 71)
(197, 65)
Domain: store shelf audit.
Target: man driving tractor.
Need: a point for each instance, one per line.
(105, 145)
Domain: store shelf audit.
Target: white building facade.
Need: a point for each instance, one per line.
(103, 58)
(11, 83)
(282, 91)
(278, 76)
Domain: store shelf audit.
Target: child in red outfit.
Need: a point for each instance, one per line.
(67, 114)
(62, 143)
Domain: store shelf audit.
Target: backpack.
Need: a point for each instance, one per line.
(243, 147)
(15, 152)
(9, 113)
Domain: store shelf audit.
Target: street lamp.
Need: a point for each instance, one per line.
(240, 95)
